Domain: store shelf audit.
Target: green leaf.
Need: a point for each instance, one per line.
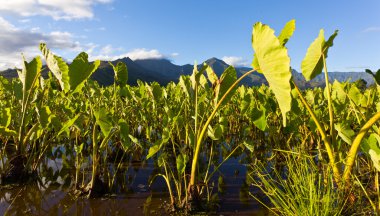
(79, 71)
(312, 64)
(44, 116)
(104, 121)
(121, 73)
(259, 117)
(355, 95)
(124, 134)
(154, 149)
(226, 80)
(5, 117)
(274, 63)
(284, 36)
(30, 74)
(68, 124)
(345, 132)
(57, 66)
(181, 161)
(375, 157)
(287, 32)
(211, 75)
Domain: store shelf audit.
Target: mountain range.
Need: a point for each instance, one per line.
(164, 71)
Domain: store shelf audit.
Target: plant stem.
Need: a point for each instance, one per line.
(355, 147)
(326, 141)
(329, 102)
(199, 139)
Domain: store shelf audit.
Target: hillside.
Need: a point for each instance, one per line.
(163, 71)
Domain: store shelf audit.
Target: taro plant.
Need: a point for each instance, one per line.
(272, 60)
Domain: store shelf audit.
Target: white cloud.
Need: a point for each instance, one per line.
(110, 53)
(15, 41)
(144, 54)
(372, 29)
(235, 61)
(57, 9)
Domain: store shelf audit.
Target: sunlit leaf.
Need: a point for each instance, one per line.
(79, 71)
(287, 32)
(274, 63)
(57, 66)
(121, 73)
(124, 134)
(30, 73)
(312, 64)
(104, 121)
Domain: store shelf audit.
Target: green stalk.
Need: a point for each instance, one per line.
(326, 141)
(199, 139)
(355, 147)
(94, 155)
(25, 103)
(329, 102)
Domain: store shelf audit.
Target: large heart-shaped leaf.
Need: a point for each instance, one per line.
(79, 71)
(121, 73)
(284, 36)
(274, 63)
(30, 73)
(226, 80)
(312, 64)
(104, 121)
(57, 66)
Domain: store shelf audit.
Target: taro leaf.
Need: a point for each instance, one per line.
(157, 92)
(184, 82)
(79, 71)
(371, 143)
(121, 73)
(5, 121)
(57, 66)
(345, 132)
(376, 75)
(259, 117)
(5, 117)
(211, 75)
(30, 74)
(196, 76)
(181, 161)
(226, 80)
(274, 63)
(104, 121)
(44, 116)
(154, 149)
(338, 93)
(284, 36)
(375, 157)
(68, 124)
(287, 32)
(355, 95)
(124, 134)
(312, 64)
(215, 133)
(135, 140)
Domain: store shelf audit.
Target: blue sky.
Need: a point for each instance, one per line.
(187, 31)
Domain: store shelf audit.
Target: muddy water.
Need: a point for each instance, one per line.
(46, 197)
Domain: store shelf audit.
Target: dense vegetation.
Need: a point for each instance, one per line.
(311, 152)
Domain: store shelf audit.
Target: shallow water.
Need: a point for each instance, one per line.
(46, 197)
